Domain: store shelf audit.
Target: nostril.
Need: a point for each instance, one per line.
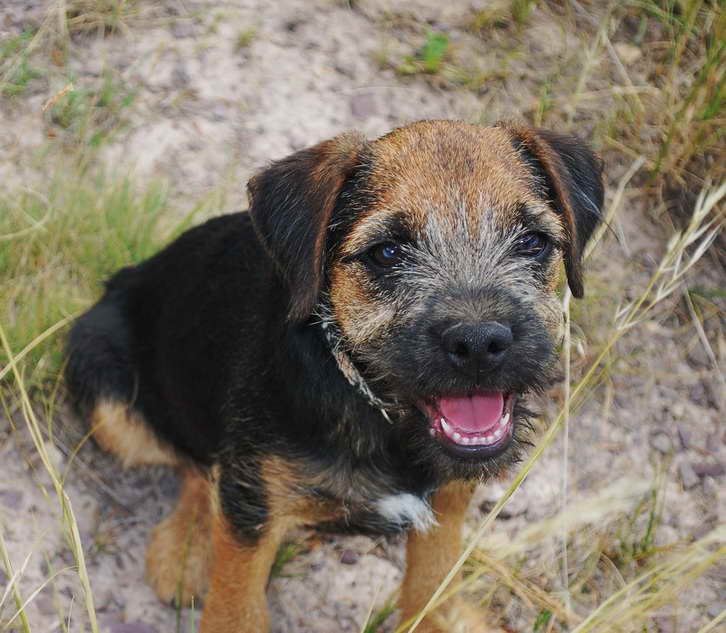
(497, 347)
(499, 342)
(461, 350)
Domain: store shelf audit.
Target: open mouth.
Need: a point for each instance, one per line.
(478, 424)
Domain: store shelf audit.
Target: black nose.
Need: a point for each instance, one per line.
(477, 346)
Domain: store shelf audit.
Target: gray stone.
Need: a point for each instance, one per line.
(683, 436)
(689, 478)
(712, 469)
(661, 442)
(348, 557)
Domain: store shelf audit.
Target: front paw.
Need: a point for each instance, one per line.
(177, 559)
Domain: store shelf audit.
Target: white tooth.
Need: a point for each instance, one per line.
(490, 439)
(468, 440)
(505, 419)
(481, 439)
(498, 433)
(456, 437)
(432, 432)
(445, 426)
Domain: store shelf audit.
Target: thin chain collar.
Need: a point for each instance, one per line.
(334, 338)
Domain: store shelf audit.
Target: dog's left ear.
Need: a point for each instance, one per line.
(290, 205)
(569, 174)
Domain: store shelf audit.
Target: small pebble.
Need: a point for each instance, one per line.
(712, 469)
(688, 476)
(348, 557)
(683, 437)
(661, 442)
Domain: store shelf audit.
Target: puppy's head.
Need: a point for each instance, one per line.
(436, 250)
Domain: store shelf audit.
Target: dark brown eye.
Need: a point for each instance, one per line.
(385, 255)
(533, 245)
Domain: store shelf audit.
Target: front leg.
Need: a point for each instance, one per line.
(429, 558)
(236, 601)
(251, 515)
(263, 502)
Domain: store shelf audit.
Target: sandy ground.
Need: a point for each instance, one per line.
(207, 110)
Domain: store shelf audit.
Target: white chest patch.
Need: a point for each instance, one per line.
(406, 508)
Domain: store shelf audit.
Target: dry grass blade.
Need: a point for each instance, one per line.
(67, 516)
(21, 610)
(711, 626)
(35, 342)
(12, 586)
(655, 587)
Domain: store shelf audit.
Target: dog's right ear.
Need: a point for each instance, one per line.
(290, 205)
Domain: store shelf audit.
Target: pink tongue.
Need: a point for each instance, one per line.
(473, 414)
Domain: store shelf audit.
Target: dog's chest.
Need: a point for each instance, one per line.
(406, 509)
(370, 502)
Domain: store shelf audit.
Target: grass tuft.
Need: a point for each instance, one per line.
(430, 57)
(91, 115)
(100, 16)
(57, 248)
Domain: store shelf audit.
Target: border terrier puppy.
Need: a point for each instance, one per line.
(352, 353)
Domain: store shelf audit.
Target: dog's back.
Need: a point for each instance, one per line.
(134, 358)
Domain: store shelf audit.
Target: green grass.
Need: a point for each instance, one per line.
(102, 16)
(245, 38)
(430, 58)
(286, 553)
(92, 114)
(57, 247)
(16, 71)
(379, 617)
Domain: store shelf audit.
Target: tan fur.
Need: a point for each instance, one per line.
(441, 166)
(429, 558)
(122, 432)
(177, 557)
(236, 601)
